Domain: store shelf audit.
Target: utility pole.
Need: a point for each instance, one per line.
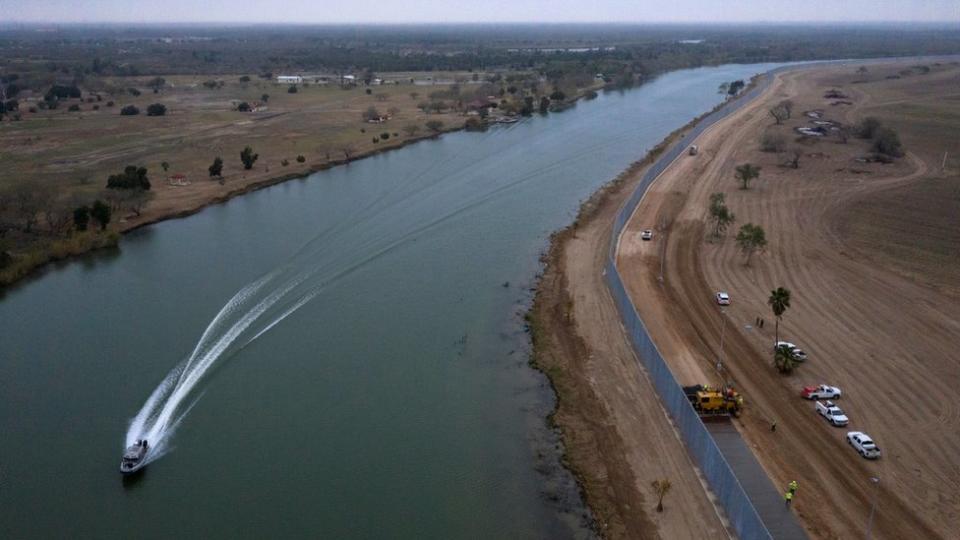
(873, 507)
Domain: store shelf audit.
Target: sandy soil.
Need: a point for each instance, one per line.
(883, 331)
(617, 437)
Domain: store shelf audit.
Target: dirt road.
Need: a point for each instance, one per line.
(888, 340)
(617, 437)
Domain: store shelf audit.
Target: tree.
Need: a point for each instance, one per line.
(721, 216)
(558, 95)
(862, 70)
(779, 113)
(81, 217)
(100, 211)
(165, 166)
(216, 169)
(787, 106)
(243, 107)
(292, 89)
(746, 172)
(411, 129)
(773, 142)
(887, 142)
(265, 98)
(434, 125)
(157, 109)
(735, 87)
(868, 127)
(301, 159)
(248, 158)
(347, 150)
(544, 105)
(132, 177)
(751, 238)
(661, 488)
(779, 301)
(414, 95)
(244, 79)
(135, 201)
(130, 110)
(156, 84)
(785, 358)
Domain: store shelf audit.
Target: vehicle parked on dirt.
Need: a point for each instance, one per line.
(797, 351)
(646, 235)
(832, 413)
(863, 444)
(723, 298)
(713, 401)
(820, 392)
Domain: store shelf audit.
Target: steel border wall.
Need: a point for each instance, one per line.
(700, 444)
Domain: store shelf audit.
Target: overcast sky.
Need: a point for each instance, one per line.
(407, 11)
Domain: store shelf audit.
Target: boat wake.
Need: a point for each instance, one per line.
(405, 209)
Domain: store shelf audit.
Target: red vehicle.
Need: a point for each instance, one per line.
(820, 392)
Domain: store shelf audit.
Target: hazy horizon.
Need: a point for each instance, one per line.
(493, 11)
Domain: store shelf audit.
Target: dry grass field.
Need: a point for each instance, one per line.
(870, 253)
(76, 151)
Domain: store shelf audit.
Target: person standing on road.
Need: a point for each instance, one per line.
(788, 498)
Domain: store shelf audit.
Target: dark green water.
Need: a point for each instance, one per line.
(396, 403)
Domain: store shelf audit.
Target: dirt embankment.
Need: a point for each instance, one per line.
(616, 435)
(880, 329)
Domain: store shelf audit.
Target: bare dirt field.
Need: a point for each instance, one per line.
(871, 254)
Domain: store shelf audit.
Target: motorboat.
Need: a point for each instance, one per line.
(135, 457)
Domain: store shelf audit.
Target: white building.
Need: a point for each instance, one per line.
(289, 79)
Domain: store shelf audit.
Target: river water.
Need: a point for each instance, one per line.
(345, 355)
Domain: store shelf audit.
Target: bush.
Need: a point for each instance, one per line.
(96, 107)
(474, 124)
(285, 162)
(887, 142)
(245, 79)
(157, 109)
(130, 110)
(384, 136)
(376, 140)
(301, 159)
(243, 107)
(434, 125)
(133, 91)
(61, 91)
(132, 177)
(773, 142)
(109, 104)
(293, 89)
(868, 127)
(73, 108)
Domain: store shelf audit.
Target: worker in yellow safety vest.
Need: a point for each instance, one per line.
(788, 497)
(793, 487)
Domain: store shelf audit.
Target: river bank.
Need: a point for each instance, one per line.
(579, 345)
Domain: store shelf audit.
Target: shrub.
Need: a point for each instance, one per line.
(73, 108)
(243, 107)
(96, 107)
(301, 159)
(376, 140)
(109, 104)
(384, 136)
(292, 89)
(133, 91)
(285, 162)
(887, 142)
(130, 110)
(132, 177)
(434, 125)
(868, 127)
(248, 158)
(157, 109)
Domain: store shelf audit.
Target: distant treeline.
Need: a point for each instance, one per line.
(79, 51)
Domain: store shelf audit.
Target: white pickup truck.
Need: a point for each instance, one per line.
(832, 413)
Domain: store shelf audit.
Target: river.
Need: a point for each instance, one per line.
(372, 381)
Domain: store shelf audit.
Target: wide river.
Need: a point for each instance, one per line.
(342, 356)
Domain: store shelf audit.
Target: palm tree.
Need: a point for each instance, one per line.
(779, 301)
(661, 487)
(785, 359)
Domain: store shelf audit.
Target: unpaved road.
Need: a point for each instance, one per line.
(890, 342)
